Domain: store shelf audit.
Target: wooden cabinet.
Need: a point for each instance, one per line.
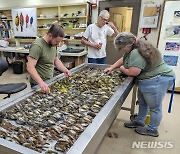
(5, 24)
(46, 16)
(73, 18)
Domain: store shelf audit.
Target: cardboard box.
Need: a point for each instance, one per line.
(4, 43)
(69, 65)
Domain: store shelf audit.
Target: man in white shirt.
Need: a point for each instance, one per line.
(95, 37)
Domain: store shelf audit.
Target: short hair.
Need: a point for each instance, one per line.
(56, 30)
(124, 39)
(104, 13)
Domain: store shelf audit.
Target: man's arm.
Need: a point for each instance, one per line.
(34, 74)
(116, 32)
(60, 66)
(88, 43)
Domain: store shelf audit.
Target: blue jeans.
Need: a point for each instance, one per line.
(97, 60)
(150, 96)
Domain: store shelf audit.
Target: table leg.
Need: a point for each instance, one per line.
(79, 60)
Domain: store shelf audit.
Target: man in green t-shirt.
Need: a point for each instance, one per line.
(43, 57)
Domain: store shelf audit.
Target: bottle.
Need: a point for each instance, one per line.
(98, 41)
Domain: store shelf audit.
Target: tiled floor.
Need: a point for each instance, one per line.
(119, 140)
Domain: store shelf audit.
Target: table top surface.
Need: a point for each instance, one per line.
(74, 54)
(14, 49)
(23, 50)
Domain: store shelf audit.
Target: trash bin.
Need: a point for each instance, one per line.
(18, 67)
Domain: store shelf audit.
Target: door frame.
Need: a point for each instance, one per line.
(136, 5)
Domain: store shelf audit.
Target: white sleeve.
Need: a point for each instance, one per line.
(110, 31)
(86, 34)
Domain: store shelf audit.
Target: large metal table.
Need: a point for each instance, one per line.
(89, 140)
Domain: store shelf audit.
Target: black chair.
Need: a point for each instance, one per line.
(10, 88)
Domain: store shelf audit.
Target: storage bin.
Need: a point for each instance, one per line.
(18, 67)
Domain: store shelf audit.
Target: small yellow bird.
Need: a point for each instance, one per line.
(16, 21)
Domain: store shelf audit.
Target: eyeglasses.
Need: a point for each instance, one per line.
(103, 19)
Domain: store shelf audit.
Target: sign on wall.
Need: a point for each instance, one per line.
(24, 22)
(149, 16)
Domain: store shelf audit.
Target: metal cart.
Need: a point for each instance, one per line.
(91, 137)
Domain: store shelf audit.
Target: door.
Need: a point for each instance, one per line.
(125, 15)
(118, 21)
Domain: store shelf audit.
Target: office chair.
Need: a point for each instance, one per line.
(9, 88)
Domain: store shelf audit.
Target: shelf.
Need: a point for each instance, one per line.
(54, 18)
(47, 15)
(72, 17)
(73, 4)
(5, 19)
(5, 29)
(74, 41)
(66, 28)
(43, 28)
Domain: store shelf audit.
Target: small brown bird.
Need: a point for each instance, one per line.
(21, 21)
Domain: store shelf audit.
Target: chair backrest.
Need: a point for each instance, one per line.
(3, 66)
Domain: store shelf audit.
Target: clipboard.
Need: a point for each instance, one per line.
(150, 11)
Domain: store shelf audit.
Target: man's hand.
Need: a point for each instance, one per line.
(44, 87)
(116, 32)
(97, 46)
(111, 25)
(68, 73)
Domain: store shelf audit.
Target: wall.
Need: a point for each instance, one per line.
(168, 35)
(153, 36)
(7, 4)
(4, 4)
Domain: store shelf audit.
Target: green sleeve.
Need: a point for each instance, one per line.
(136, 60)
(35, 51)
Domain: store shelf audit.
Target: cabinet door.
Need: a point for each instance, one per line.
(118, 21)
(121, 17)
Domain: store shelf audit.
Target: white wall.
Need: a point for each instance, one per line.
(168, 21)
(153, 36)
